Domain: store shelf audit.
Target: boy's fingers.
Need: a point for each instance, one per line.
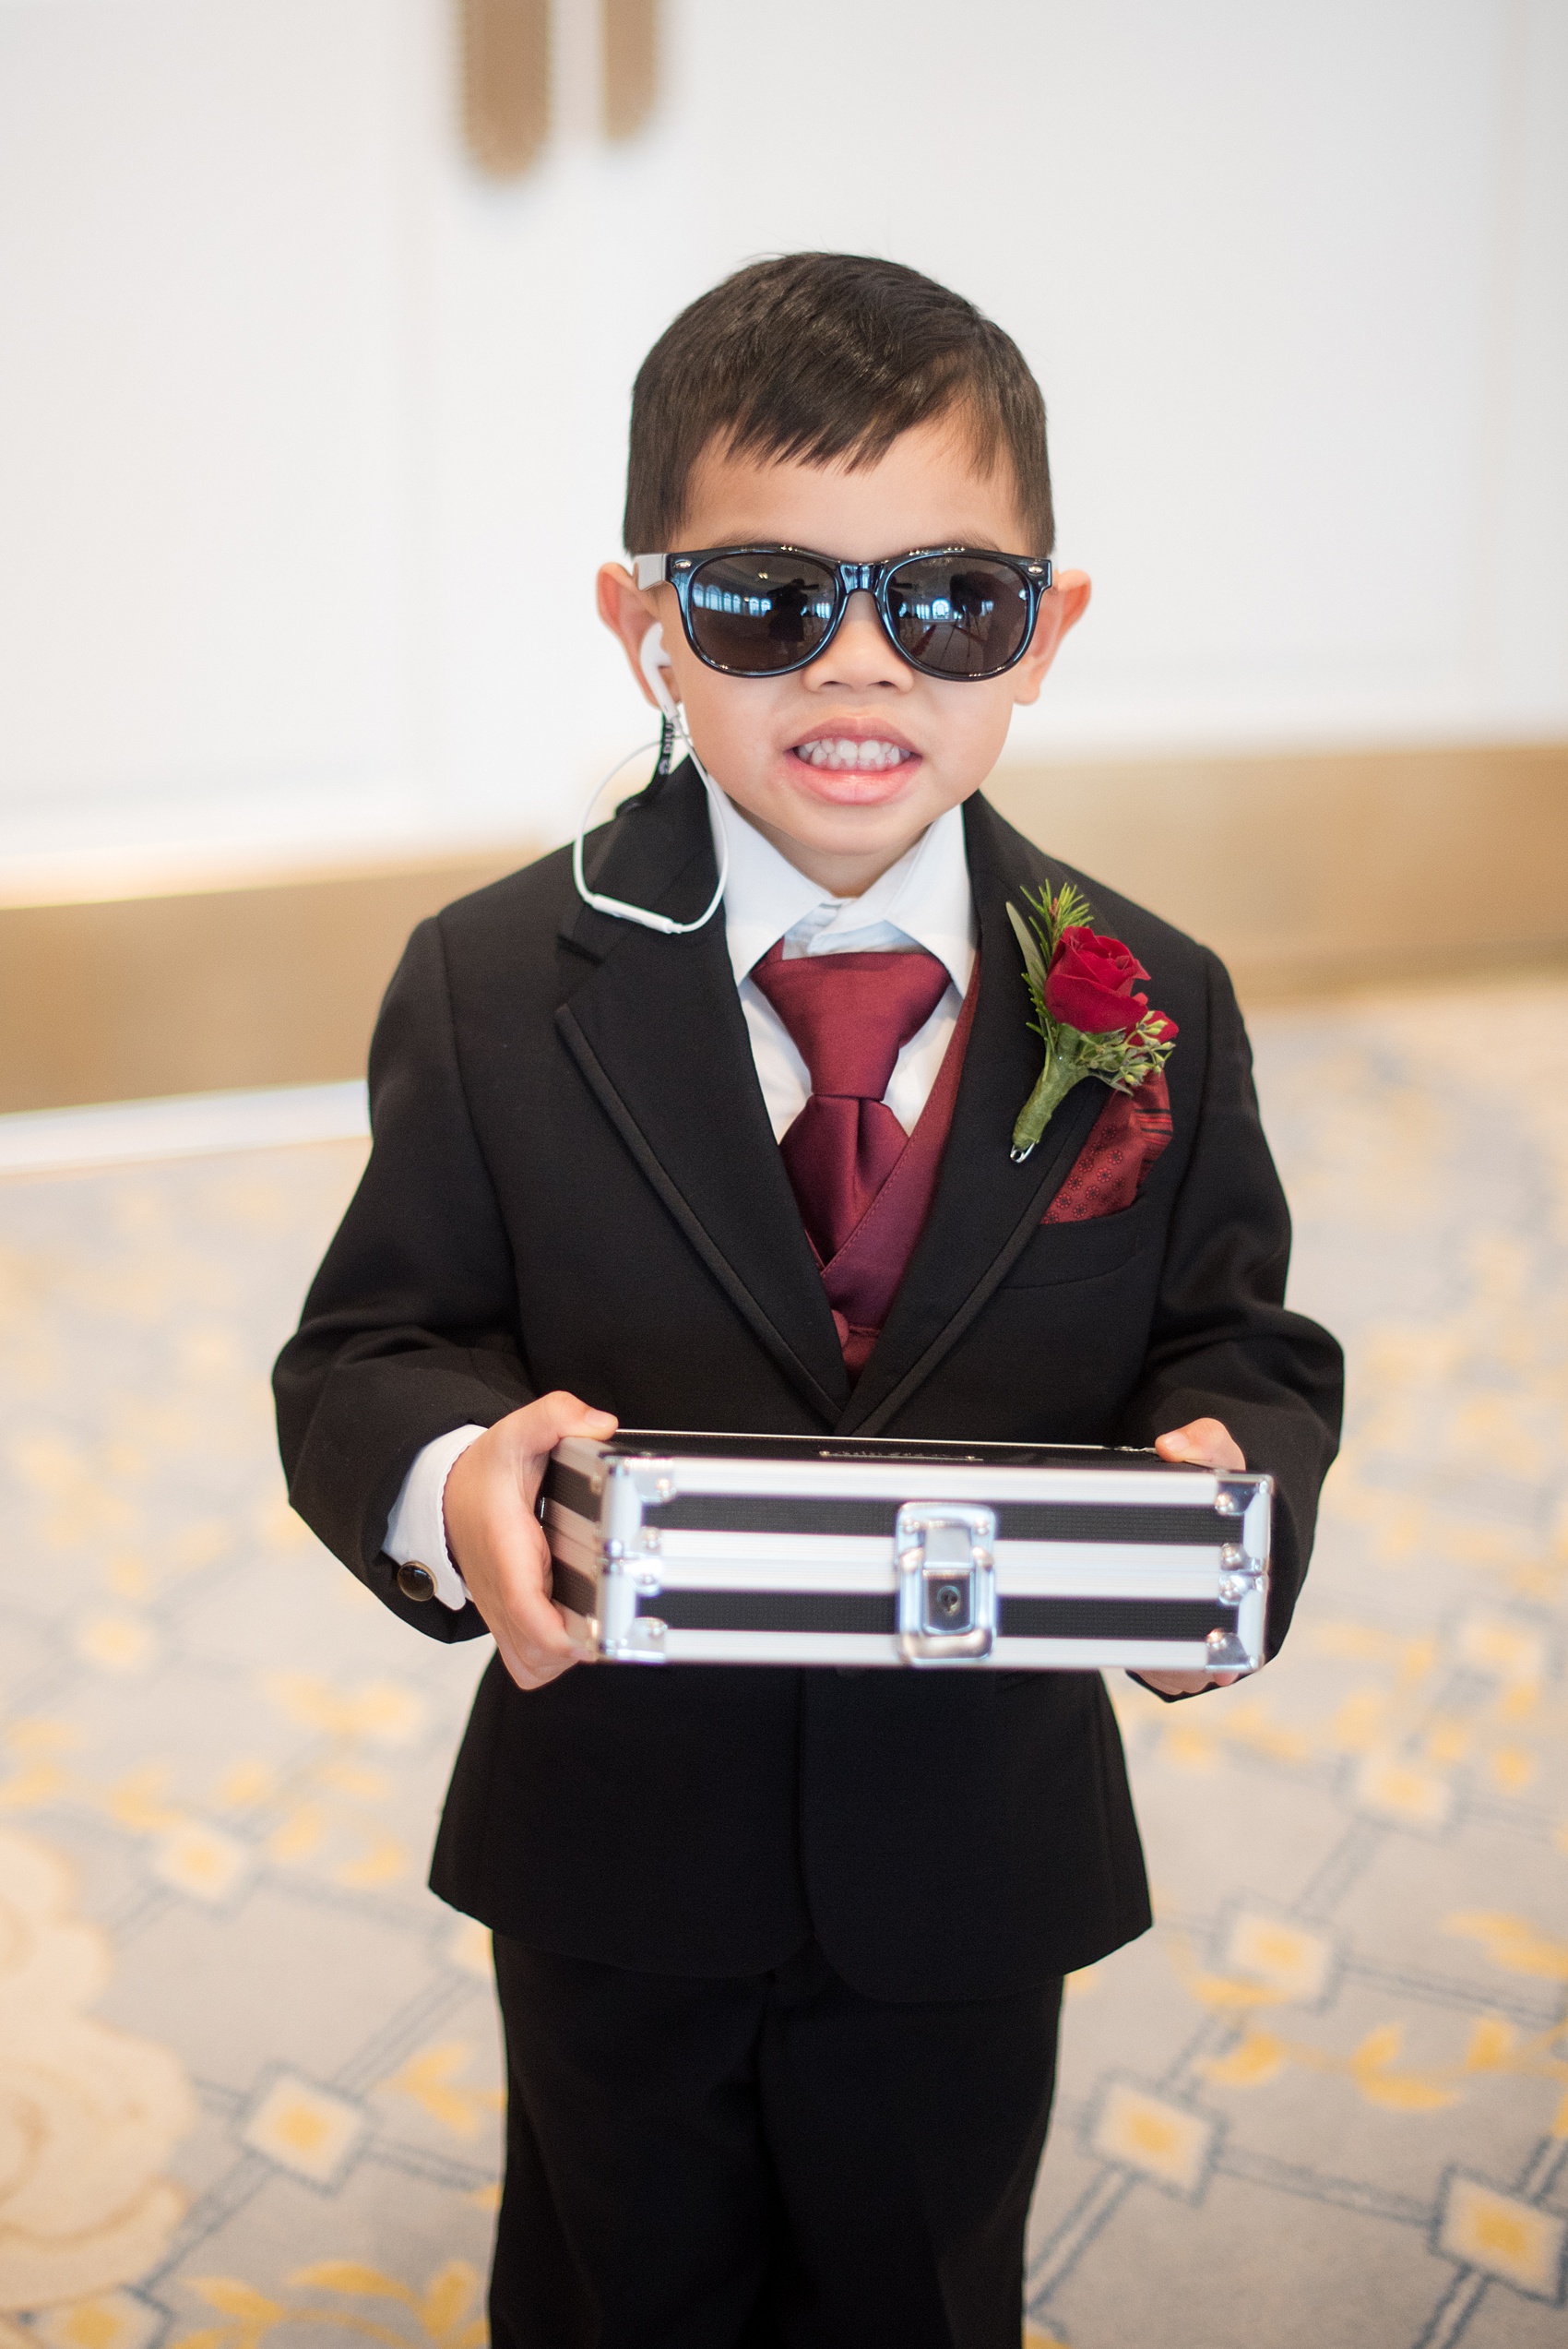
(505, 1559)
(543, 1627)
(532, 1615)
(531, 1667)
(544, 1423)
(522, 1565)
(538, 1427)
(1208, 1442)
(1187, 1684)
(511, 1576)
(534, 1641)
(534, 1621)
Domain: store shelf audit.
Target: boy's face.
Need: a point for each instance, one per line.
(841, 822)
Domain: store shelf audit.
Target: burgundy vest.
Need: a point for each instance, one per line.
(862, 1280)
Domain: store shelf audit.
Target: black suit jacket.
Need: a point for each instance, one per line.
(573, 1183)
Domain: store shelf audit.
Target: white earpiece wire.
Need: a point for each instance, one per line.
(643, 915)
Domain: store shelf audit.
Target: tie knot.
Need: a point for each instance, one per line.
(851, 1015)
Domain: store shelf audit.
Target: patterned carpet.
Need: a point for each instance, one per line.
(248, 2068)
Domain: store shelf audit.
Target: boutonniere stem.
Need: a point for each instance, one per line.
(1084, 1011)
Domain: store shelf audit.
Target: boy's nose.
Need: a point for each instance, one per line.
(860, 654)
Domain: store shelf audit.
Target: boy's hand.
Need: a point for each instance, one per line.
(497, 1543)
(1211, 1445)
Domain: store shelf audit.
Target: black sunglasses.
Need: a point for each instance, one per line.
(761, 611)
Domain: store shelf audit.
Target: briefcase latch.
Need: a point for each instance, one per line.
(946, 1563)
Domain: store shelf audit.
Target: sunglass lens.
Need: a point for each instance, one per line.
(756, 613)
(957, 615)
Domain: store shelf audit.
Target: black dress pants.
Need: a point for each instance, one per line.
(767, 2161)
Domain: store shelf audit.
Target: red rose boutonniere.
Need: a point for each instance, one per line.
(1090, 1019)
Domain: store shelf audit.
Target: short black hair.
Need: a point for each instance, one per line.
(826, 356)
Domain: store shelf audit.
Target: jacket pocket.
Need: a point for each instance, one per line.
(1080, 1251)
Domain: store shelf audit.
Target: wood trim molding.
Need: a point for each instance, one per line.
(1305, 874)
(1339, 869)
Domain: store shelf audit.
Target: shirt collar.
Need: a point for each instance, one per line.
(925, 897)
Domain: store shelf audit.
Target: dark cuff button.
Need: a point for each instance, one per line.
(416, 1581)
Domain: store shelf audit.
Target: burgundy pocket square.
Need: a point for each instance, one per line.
(1113, 1167)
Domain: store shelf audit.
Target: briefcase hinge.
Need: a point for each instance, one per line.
(621, 1513)
(946, 1565)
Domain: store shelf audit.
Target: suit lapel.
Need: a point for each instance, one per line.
(659, 1035)
(985, 1209)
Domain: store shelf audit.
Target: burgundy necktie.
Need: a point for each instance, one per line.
(849, 1015)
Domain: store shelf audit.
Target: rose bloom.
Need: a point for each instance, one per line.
(1089, 984)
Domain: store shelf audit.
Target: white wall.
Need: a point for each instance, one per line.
(309, 440)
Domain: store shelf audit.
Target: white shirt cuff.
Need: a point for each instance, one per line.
(416, 1531)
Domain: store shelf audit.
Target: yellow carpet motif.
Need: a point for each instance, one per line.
(249, 2077)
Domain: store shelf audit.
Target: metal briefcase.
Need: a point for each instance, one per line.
(797, 1550)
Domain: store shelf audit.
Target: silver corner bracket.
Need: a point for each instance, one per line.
(945, 1558)
(629, 1570)
(1243, 1572)
(642, 1641)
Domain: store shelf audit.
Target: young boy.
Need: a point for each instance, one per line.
(780, 1953)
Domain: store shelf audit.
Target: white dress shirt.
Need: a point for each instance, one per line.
(923, 901)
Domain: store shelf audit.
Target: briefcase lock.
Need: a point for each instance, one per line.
(946, 1565)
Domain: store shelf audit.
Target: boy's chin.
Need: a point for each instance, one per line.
(814, 815)
(845, 826)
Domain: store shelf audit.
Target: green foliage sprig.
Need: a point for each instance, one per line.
(1122, 1058)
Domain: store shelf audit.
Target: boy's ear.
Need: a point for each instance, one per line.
(1060, 609)
(628, 614)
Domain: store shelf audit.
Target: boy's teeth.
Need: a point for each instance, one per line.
(841, 752)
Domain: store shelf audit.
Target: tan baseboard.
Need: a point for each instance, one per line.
(1306, 874)
(1318, 873)
(274, 985)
